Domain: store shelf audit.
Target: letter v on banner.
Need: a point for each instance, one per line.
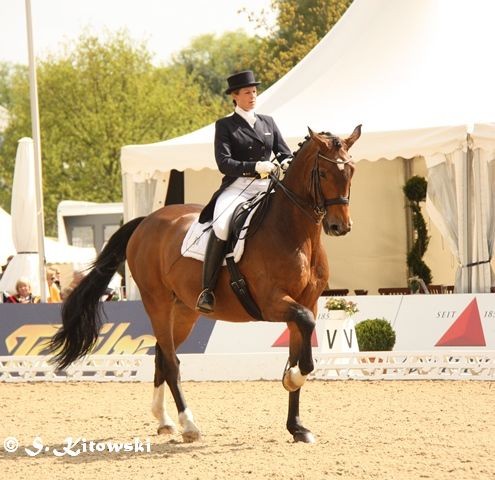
(348, 338)
(466, 331)
(331, 339)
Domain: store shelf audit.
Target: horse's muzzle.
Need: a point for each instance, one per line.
(336, 229)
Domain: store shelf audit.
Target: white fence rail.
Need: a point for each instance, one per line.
(95, 368)
(436, 365)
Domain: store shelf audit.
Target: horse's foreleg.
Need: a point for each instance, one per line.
(294, 425)
(301, 359)
(300, 364)
(305, 322)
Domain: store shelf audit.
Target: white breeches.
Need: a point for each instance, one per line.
(241, 190)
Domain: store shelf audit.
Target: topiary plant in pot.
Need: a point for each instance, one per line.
(375, 335)
(415, 190)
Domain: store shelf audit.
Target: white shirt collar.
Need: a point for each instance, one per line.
(248, 116)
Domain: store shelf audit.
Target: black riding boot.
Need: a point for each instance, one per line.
(215, 251)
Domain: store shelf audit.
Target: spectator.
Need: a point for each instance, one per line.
(53, 280)
(23, 293)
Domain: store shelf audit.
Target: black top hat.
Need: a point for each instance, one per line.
(241, 80)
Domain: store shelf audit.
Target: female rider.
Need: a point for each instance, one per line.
(244, 142)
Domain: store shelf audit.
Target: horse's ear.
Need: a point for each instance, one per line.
(354, 136)
(311, 133)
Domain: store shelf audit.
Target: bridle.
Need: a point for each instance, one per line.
(316, 211)
(341, 200)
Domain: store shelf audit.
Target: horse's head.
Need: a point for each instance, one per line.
(331, 180)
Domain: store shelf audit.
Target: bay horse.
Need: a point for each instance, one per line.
(283, 263)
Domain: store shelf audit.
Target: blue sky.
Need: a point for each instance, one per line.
(166, 25)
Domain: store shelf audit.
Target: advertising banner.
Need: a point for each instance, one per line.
(421, 323)
(126, 329)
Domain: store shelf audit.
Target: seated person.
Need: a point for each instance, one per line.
(23, 293)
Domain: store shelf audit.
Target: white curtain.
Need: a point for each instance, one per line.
(484, 231)
(142, 195)
(460, 201)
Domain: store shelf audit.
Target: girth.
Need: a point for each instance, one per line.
(238, 230)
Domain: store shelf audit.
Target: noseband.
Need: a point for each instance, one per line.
(319, 201)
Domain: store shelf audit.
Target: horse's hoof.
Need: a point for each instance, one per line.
(166, 430)
(191, 436)
(293, 379)
(304, 437)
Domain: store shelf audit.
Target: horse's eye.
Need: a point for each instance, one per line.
(323, 174)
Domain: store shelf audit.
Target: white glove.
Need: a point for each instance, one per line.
(285, 164)
(264, 168)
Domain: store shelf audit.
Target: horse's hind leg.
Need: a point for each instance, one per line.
(172, 323)
(165, 424)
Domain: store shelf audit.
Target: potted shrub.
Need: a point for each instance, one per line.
(375, 335)
(415, 190)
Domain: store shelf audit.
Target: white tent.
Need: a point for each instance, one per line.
(55, 251)
(417, 74)
(23, 229)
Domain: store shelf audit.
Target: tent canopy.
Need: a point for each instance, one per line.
(415, 73)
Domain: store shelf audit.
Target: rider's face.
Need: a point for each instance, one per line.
(246, 98)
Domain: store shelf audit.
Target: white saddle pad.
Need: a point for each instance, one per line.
(196, 239)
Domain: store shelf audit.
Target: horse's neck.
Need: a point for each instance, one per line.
(291, 220)
(298, 177)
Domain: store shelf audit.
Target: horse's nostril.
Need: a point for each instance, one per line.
(334, 227)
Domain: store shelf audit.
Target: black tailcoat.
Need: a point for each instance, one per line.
(238, 147)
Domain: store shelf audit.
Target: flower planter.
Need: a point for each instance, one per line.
(336, 315)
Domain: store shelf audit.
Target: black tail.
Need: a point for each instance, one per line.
(81, 311)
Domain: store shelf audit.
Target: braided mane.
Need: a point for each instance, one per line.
(307, 138)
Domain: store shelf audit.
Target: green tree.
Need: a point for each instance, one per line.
(103, 95)
(209, 60)
(7, 72)
(300, 25)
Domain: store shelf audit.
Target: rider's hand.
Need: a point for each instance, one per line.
(285, 164)
(264, 168)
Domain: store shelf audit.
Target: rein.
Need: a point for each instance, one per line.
(317, 210)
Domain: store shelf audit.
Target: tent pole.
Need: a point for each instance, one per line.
(467, 228)
(33, 90)
(408, 173)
